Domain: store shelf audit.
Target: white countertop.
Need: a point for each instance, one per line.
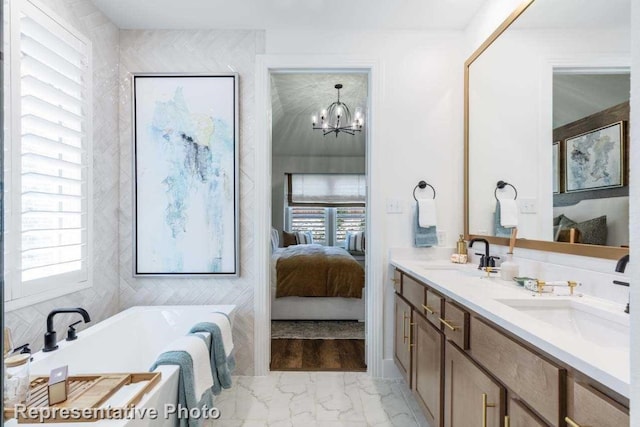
(605, 362)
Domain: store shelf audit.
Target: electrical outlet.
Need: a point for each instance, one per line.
(528, 206)
(394, 206)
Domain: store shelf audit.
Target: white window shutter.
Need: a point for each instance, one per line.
(54, 146)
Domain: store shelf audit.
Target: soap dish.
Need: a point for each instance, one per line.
(521, 280)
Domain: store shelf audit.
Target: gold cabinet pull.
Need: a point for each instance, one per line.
(394, 280)
(571, 423)
(485, 405)
(410, 343)
(447, 324)
(506, 421)
(428, 309)
(404, 327)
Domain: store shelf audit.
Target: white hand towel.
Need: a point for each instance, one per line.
(508, 213)
(225, 329)
(427, 213)
(197, 349)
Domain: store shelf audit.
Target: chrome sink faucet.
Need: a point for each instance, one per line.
(621, 265)
(50, 341)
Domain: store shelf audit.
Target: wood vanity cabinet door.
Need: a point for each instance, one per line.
(591, 408)
(520, 416)
(397, 281)
(426, 368)
(465, 384)
(401, 352)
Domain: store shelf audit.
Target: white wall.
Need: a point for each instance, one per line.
(635, 214)
(420, 125)
(192, 52)
(511, 104)
(101, 301)
(304, 164)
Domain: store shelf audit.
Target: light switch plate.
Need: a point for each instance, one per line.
(394, 206)
(528, 206)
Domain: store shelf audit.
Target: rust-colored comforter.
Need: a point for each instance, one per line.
(318, 271)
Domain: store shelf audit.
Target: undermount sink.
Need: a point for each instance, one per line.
(599, 326)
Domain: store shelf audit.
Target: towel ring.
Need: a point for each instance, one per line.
(500, 185)
(422, 185)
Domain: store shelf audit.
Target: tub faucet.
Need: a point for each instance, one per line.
(50, 341)
(620, 267)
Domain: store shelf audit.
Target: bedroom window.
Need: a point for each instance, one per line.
(329, 226)
(47, 167)
(310, 219)
(328, 205)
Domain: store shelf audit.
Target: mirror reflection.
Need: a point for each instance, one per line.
(549, 126)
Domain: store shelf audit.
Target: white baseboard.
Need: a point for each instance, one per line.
(390, 370)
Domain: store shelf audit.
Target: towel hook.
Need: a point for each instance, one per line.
(500, 185)
(422, 185)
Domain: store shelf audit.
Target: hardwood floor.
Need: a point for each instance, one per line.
(317, 355)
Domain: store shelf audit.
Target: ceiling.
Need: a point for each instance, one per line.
(576, 96)
(291, 14)
(295, 97)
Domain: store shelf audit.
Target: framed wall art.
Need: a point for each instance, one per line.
(185, 164)
(595, 159)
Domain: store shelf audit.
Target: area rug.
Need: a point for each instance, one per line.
(317, 329)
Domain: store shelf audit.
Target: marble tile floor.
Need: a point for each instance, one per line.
(322, 399)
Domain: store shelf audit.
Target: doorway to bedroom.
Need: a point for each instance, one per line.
(318, 211)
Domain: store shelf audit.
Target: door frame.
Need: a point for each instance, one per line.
(374, 290)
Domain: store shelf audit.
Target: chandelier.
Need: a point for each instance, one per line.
(337, 118)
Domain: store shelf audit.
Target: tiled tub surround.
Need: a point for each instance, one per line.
(606, 364)
(317, 399)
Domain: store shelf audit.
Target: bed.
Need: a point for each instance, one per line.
(301, 294)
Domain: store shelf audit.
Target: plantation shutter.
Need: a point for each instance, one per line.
(313, 219)
(349, 219)
(55, 104)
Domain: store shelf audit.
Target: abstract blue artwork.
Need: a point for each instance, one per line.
(186, 190)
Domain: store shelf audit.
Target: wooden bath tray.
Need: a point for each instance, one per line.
(85, 392)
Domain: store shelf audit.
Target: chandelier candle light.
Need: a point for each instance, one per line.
(337, 118)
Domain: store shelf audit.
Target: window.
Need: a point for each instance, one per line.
(48, 167)
(348, 219)
(310, 219)
(329, 226)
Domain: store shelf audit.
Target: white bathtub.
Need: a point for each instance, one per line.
(130, 341)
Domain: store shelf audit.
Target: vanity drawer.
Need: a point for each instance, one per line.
(413, 292)
(397, 281)
(537, 381)
(592, 408)
(455, 322)
(433, 308)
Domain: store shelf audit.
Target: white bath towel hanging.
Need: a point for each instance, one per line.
(197, 349)
(508, 213)
(225, 330)
(427, 213)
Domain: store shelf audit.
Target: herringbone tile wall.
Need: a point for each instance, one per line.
(197, 51)
(28, 324)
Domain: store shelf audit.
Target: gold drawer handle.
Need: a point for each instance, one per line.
(447, 324)
(571, 423)
(428, 309)
(395, 280)
(506, 421)
(485, 405)
(404, 327)
(410, 343)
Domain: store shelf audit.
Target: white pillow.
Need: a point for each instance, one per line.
(355, 241)
(275, 239)
(304, 237)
